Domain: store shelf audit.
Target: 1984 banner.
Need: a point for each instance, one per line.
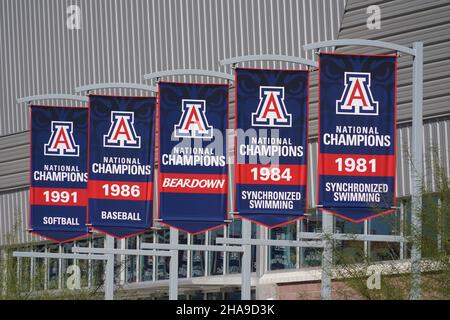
(357, 135)
(271, 145)
(121, 153)
(193, 119)
(58, 173)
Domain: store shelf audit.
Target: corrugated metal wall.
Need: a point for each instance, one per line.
(120, 41)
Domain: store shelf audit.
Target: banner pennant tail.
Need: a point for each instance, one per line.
(358, 214)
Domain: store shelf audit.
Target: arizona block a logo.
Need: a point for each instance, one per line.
(193, 122)
(121, 133)
(357, 97)
(271, 110)
(61, 142)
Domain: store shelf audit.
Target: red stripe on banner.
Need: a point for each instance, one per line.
(58, 197)
(357, 165)
(283, 174)
(193, 183)
(120, 190)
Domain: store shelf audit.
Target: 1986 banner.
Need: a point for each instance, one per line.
(193, 119)
(271, 145)
(121, 153)
(58, 194)
(357, 135)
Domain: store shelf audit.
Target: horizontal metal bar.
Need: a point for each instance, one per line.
(269, 57)
(355, 237)
(131, 252)
(182, 72)
(54, 255)
(52, 96)
(280, 243)
(191, 247)
(97, 86)
(360, 42)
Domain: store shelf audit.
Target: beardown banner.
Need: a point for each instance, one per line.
(193, 119)
(58, 173)
(271, 145)
(120, 187)
(357, 121)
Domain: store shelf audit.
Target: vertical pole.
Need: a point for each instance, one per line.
(60, 262)
(109, 272)
(417, 170)
(327, 256)
(246, 268)
(260, 259)
(173, 267)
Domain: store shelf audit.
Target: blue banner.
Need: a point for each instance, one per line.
(58, 173)
(193, 119)
(357, 121)
(121, 154)
(271, 145)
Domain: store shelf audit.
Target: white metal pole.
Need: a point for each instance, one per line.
(246, 268)
(417, 170)
(327, 256)
(173, 267)
(109, 272)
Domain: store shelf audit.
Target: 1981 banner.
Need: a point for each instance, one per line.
(193, 119)
(357, 134)
(271, 145)
(58, 175)
(121, 153)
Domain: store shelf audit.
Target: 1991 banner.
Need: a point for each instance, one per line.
(357, 135)
(271, 145)
(121, 153)
(58, 194)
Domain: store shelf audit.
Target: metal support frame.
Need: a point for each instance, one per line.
(115, 85)
(417, 143)
(269, 57)
(52, 96)
(109, 272)
(244, 244)
(417, 171)
(183, 72)
(314, 236)
(263, 242)
(246, 241)
(54, 255)
(173, 266)
(174, 246)
(351, 237)
(246, 267)
(109, 251)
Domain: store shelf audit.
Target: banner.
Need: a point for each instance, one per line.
(193, 119)
(357, 124)
(121, 153)
(271, 145)
(58, 173)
